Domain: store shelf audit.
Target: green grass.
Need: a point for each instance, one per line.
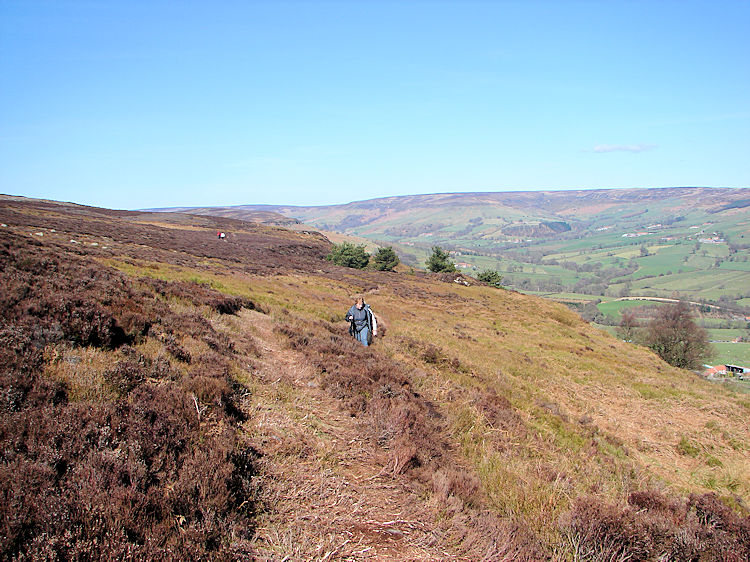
(735, 265)
(652, 392)
(732, 353)
(706, 284)
(727, 334)
(666, 260)
(615, 308)
(686, 447)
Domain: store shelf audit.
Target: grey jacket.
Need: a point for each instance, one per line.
(362, 317)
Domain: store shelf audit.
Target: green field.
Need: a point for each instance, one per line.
(615, 308)
(732, 353)
(710, 284)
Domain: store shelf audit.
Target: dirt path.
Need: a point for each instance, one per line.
(326, 494)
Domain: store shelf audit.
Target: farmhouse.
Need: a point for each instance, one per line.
(714, 371)
(723, 370)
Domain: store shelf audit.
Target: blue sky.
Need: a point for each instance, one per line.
(134, 104)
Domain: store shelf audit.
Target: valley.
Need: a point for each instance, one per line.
(168, 393)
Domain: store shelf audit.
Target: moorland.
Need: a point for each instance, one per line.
(594, 250)
(170, 395)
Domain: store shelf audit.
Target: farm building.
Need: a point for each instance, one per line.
(723, 370)
(718, 370)
(737, 371)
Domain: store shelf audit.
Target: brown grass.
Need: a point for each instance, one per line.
(481, 416)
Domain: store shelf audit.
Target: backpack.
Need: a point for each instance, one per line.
(370, 320)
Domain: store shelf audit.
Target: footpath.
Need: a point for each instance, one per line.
(325, 493)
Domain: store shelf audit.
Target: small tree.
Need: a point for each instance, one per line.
(349, 255)
(439, 261)
(385, 259)
(628, 326)
(491, 277)
(676, 338)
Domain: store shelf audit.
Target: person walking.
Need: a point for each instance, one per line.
(362, 323)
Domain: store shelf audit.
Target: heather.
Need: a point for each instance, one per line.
(142, 461)
(167, 395)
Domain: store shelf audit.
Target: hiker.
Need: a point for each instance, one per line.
(362, 322)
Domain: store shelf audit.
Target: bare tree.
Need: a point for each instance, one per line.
(628, 326)
(676, 338)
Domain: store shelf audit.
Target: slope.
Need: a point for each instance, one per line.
(483, 423)
(609, 242)
(494, 213)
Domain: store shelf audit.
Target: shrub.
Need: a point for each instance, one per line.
(127, 373)
(137, 476)
(349, 255)
(628, 327)
(491, 277)
(653, 527)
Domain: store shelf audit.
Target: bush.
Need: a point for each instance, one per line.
(654, 527)
(385, 259)
(491, 277)
(349, 255)
(439, 261)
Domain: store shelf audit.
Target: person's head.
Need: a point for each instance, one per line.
(359, 302)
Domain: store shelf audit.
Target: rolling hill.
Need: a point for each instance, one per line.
(169, 395)
(504, 216)
(585, 242)
(584, 248)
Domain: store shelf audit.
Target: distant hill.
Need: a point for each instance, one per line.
(166, 394)
(496, 215)
(259, 216)
(696, 239)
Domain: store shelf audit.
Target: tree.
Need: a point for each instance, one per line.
(628, 326)
(676, 338)
(439, 261)
(491, 277)
(385, 259)
(349, 255)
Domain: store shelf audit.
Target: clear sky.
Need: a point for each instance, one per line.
(134, 103)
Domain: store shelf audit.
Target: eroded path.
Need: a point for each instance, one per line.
(326, 493)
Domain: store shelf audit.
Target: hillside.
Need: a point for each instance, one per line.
(170, 395)
(583, 248)
(696, 240)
